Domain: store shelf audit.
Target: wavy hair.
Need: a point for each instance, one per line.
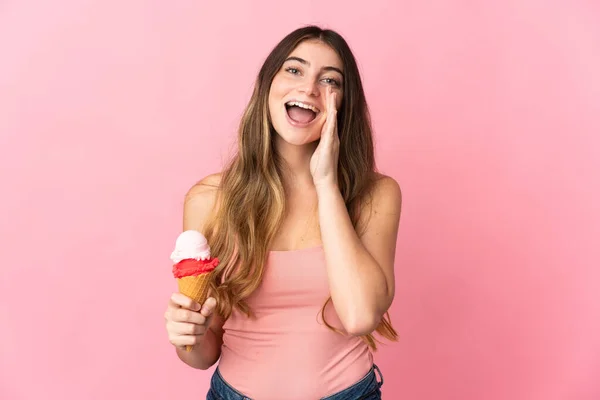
(251, 197)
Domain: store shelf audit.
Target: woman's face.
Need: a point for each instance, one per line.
(297, 99)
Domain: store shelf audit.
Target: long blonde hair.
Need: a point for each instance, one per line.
(251, 197)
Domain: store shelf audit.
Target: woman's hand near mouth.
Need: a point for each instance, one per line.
(324, 161)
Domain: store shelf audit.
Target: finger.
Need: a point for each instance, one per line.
(185, 340)
(333, 114)
(332, 100)
(185, 302)
(208, 307)
(186, 328)
(330, 123)
(184, 315)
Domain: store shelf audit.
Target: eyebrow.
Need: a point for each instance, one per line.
(303, 61)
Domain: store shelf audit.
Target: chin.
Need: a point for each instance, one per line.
(297, 138)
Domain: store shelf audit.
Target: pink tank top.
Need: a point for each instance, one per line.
(286, 350)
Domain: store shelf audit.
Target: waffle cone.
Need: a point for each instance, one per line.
(196, 288)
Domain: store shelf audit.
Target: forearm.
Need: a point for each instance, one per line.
(204, 354)
(357, 283)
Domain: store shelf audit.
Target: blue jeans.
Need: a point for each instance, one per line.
(368, 388)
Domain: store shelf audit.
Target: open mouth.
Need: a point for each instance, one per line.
(301, 113)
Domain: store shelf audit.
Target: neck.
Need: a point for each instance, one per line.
(297, 160)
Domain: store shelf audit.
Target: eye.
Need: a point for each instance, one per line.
(332, 81)
(293, 70)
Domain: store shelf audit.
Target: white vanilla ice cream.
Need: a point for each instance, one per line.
(190, 244)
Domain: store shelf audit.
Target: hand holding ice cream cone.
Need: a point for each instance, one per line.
(187, 321)
(193, 267)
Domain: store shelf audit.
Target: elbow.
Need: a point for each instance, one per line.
(362, 324)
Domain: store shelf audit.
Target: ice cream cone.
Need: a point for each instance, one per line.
(193, 266)
(196, 288)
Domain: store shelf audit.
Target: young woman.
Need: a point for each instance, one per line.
(305, 229)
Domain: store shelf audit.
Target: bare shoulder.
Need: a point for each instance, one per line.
(200, 201)
(387, 192)
(384, 199)
(206, 185)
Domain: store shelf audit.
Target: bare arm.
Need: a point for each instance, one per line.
(360, 270)
(199, 202)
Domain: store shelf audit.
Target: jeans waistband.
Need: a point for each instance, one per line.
(368, 385)
(223, 390)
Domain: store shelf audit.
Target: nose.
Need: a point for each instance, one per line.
(310, 88)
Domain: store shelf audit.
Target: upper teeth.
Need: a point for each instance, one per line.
(303, 105)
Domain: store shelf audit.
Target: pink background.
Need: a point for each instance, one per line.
(487, 113)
